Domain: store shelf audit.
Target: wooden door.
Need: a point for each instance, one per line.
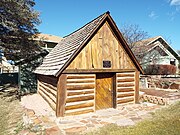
(104, 91)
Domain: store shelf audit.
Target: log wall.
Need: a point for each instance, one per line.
(47, 88)
(80, 94)
(125, 87)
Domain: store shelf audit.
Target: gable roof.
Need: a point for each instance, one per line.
(68, 48)
(146, 45)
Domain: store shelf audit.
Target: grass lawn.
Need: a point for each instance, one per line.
(10, 115)
(164, 122)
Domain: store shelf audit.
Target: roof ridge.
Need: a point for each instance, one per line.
(87, 23)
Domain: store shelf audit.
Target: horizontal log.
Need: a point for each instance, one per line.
(53, 92)
(125, 80)
(79, 112)
(50, 85)
(80, 76)
(121, 95)
(81, 105)
(51, 104)
(80, 81)
(125, 100)
(72, 93)
(125, 75)
(125, 84)
(80, 87)
(125, 89)
(48, 94)
(48, 79)
(97, 70)
(80, 98)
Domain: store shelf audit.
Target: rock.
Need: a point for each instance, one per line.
(36, 121)
(94, 116)
(104, 123)
(124, 122)
(90, 125)
(136, 119)
(45, 119)
(26, 120)
(140, 113)
(53, 131)
(30, 113)
(31, 133)
(23, 132)
(84, 121)
(94, 122)
(107, 112)
(75, 129)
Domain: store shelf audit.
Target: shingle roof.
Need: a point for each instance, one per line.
(64, 50)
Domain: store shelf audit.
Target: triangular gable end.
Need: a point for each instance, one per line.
(165, 45)
(129, 56)
(104, 46)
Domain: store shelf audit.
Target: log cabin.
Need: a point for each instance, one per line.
(90, 69)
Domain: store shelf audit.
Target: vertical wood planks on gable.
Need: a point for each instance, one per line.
(100, 46)
(106, 50)
(125, 87)
(80, 94)
(103, 46)
(94, 49)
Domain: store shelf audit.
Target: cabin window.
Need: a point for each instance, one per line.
(106, 64)
(173, 62)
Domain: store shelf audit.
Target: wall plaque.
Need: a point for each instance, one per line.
(106, 64)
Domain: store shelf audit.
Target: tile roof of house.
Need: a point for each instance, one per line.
(48, 38)
(65, 51)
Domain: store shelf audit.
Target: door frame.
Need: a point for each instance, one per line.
(114, 91)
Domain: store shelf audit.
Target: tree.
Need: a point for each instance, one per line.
(132, 33)
(18, 21)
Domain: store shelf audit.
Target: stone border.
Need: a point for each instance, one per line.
(154, 99)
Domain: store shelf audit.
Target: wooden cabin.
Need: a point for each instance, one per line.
(90, 69)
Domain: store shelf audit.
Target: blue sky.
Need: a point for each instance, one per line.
(157, 17)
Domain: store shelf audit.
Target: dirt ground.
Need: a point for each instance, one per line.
(11, 111)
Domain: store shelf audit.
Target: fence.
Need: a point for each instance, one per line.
(11, 78)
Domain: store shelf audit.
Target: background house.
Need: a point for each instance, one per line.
(6, 66)
(156, 56)
(48, 41)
